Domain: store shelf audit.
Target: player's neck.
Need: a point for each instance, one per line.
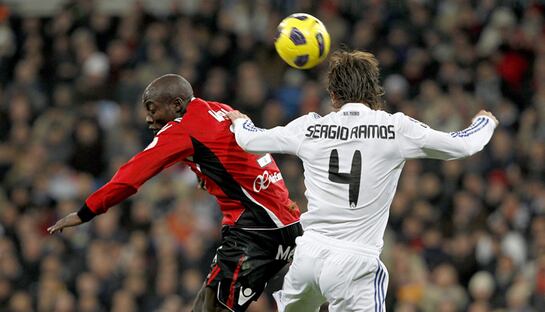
(353, 103)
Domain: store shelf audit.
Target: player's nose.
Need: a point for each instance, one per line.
(149, 120)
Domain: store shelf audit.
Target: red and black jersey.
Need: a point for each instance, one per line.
(249, 188)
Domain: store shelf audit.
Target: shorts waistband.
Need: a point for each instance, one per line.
(341, 245)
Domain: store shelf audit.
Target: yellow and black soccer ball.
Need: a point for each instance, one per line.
(302, 41)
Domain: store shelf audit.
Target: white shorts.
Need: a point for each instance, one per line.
(350, 277)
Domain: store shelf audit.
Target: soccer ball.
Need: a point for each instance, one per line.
(302, 41)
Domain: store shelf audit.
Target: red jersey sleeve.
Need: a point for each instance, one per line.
(168, 147)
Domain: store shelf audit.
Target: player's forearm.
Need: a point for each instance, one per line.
(477, 135)
(100, 201)
(462, 143)
(108, 196)
(253, 139)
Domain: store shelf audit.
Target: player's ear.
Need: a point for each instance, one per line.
(178, 105)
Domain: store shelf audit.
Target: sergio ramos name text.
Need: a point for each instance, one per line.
(336, 132)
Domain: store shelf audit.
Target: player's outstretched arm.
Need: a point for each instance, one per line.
(420, 141)
(167, 148)
(275, 140)
(248, 136)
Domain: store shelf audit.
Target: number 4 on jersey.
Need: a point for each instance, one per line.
(352, 178)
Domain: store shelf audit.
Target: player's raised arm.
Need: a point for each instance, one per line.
(420, 141)
(167, 148)
(286, 139)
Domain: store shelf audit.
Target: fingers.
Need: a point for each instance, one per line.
(234, 115)
(55, 228)
(70, 220)
(495, 119)
(487, 114)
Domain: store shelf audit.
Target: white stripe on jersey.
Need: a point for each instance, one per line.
(270, 213)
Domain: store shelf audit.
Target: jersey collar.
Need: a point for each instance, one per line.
(359, 106)
(189, 103)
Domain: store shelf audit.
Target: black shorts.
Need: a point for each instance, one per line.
(246, 260)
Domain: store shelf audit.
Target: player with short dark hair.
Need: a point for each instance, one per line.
(352, 161)
(260, 222)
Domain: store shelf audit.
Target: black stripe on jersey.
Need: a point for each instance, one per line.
(211, 166)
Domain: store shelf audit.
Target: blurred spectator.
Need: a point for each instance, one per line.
(88, 150)
(481, 288)
(444, 292)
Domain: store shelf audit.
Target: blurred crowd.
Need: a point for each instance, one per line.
(464, 235)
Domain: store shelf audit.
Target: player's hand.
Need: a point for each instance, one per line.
(487, 114)
(234, 115)
(68, 221)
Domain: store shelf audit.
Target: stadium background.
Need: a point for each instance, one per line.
(464, 235)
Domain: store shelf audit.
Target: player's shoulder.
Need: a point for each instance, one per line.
(172, 127)
(207, 113)
(306, 119)
(382, 114)
(403, 119)
(313, 115)
(213, 105)
(398, 116)
(223, 106)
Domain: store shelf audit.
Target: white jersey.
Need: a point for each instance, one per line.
(353, 159)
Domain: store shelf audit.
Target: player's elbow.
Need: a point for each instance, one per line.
(466, 150)
(473, 149)
(458, 152)
(465, 147)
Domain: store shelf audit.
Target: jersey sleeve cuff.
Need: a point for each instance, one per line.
(239, 122)
(494, 125)
(85, 213)
(491, 121)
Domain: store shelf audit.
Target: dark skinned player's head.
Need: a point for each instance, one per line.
(165, 99)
